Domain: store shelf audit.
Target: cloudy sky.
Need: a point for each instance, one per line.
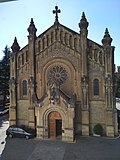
(15, 18)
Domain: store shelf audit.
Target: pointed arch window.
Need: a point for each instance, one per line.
(19, 61)
(96, 87)
(23, 59)
(27, 56)
(24, 87)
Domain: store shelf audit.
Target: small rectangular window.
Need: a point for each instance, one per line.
(96, 87)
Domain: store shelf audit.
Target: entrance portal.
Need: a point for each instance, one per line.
(55, 125)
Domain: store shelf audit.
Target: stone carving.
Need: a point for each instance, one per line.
(57, 75)
(31, 82)
(108, 83)
(84, 81)
(54, 93)
(59, 52)
(109, 90)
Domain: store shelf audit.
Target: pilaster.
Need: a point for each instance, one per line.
(109, 84)
(84, 75)
(13, 84)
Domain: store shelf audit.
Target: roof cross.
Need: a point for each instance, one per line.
(56, 11)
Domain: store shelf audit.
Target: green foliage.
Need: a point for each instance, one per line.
(98, 129)
(4, 78)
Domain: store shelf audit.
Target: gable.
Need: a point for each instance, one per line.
(58, 33)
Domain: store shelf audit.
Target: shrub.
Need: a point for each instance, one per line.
(98, 129)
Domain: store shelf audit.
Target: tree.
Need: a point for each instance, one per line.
(4, 78)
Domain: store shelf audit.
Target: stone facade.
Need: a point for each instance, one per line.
(61, 82)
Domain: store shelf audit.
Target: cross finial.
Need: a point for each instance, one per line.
(56, 11)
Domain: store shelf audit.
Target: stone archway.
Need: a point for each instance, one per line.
(53, 118)
(54, 125)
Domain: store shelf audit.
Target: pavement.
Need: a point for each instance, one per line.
(84, 148)
(49, 150)
(4, 123)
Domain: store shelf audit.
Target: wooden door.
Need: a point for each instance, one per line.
(55, 124)
(58, 127)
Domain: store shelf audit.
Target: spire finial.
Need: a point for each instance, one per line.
(83, 15)
(56, 11)
(83, 22)
(31, 28)
(15, 47)
(106, 39)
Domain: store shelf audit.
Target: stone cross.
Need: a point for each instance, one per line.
(56, 11)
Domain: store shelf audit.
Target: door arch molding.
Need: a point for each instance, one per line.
(46, 115)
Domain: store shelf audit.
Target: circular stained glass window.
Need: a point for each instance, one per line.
(57, 74)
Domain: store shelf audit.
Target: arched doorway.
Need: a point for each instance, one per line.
(54, 125)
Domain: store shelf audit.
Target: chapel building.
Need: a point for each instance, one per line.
(62, 83)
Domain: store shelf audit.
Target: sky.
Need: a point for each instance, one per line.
(15, 18)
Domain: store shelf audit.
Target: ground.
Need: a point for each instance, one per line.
(4, 123)
(85, 148)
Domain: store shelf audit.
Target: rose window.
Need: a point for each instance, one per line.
(57, 75)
